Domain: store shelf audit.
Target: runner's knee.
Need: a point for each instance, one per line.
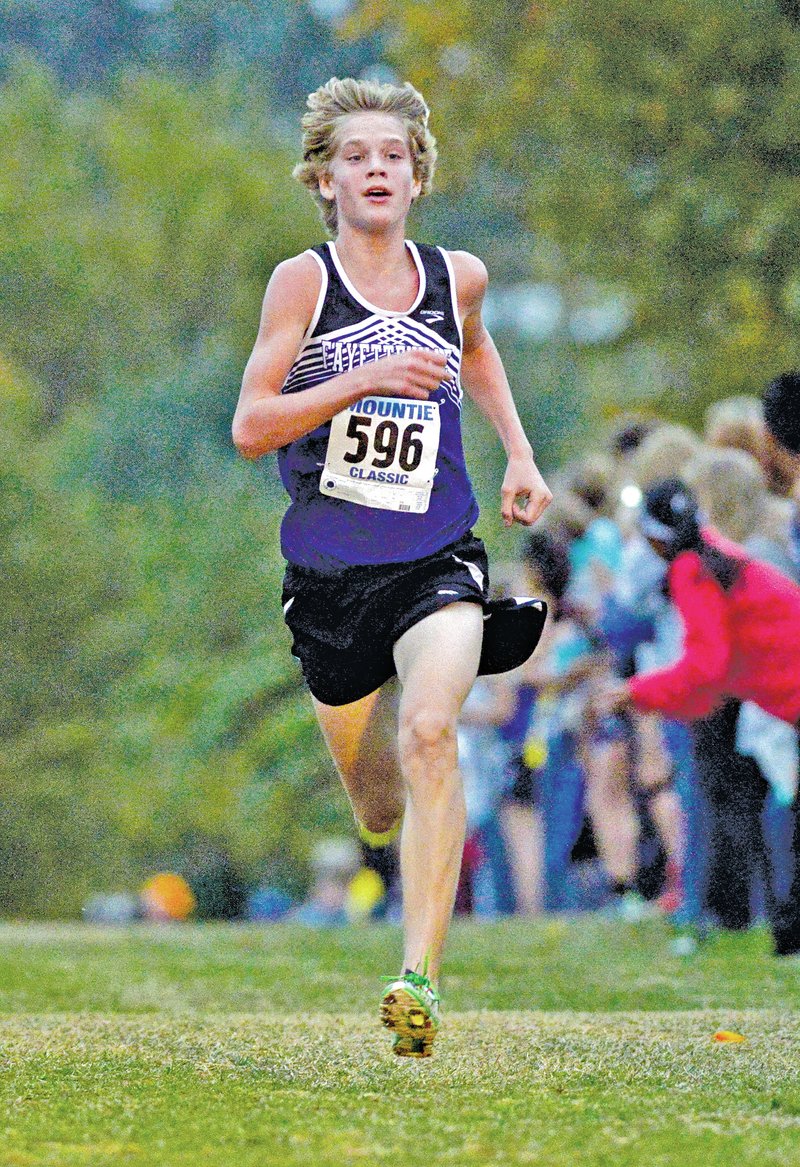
(427, 734)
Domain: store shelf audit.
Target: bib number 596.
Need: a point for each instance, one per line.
(384, 441)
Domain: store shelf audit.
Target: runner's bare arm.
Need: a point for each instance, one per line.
(524, 494)
(265, 419)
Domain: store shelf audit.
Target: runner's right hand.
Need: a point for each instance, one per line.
(414, 373)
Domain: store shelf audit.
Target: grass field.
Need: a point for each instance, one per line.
(579, 1042)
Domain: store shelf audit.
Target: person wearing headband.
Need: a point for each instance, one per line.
(741, 616)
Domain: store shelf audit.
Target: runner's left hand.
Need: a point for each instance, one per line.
(524, 494)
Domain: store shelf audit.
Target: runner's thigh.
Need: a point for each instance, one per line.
(437, 659)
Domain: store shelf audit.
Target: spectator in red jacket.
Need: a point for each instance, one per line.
(741, 619)
(741, 641)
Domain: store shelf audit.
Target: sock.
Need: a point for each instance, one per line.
(379, 838)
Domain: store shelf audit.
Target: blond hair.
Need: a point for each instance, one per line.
(737, 423)
(730, 487)
(664, 453)
(594, 479)
(333, 102)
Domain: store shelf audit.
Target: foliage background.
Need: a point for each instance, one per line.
(635, 166)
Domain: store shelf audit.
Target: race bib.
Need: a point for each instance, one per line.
(382, 453)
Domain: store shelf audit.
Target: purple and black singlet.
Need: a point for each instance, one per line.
(384, 481)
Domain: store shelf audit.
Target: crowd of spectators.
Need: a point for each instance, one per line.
(603, 774)
(645, 759)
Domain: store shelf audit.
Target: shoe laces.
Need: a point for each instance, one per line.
(418, 980)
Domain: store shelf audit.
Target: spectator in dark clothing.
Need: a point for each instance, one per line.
(782, 418)
(734, 792)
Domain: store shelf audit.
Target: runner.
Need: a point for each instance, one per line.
(355, 380)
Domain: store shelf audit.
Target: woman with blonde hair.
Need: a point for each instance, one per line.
(732, 490)
(627, 760)
(738, 423)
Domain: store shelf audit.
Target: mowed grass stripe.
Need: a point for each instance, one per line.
(583, 964)
(334, 1052)
(503, 1087)
(563, 1042)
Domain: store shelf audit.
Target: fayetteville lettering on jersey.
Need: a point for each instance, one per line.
(387, 407)
(340, 356)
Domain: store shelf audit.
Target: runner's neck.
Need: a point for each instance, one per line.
(381, 268)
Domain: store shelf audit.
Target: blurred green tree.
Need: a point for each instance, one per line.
(654, 148)
(147, 690)
(138, 229)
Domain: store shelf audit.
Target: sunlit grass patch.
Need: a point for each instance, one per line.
(252, 1046)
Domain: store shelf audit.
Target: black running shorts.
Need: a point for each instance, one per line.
(345, 623)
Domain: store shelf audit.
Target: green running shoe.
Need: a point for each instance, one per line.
(410, 1008)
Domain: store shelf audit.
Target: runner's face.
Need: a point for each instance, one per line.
(371, 174)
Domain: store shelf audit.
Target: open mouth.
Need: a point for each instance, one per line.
(377, 194)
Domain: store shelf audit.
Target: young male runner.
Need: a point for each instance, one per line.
(355, 379)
